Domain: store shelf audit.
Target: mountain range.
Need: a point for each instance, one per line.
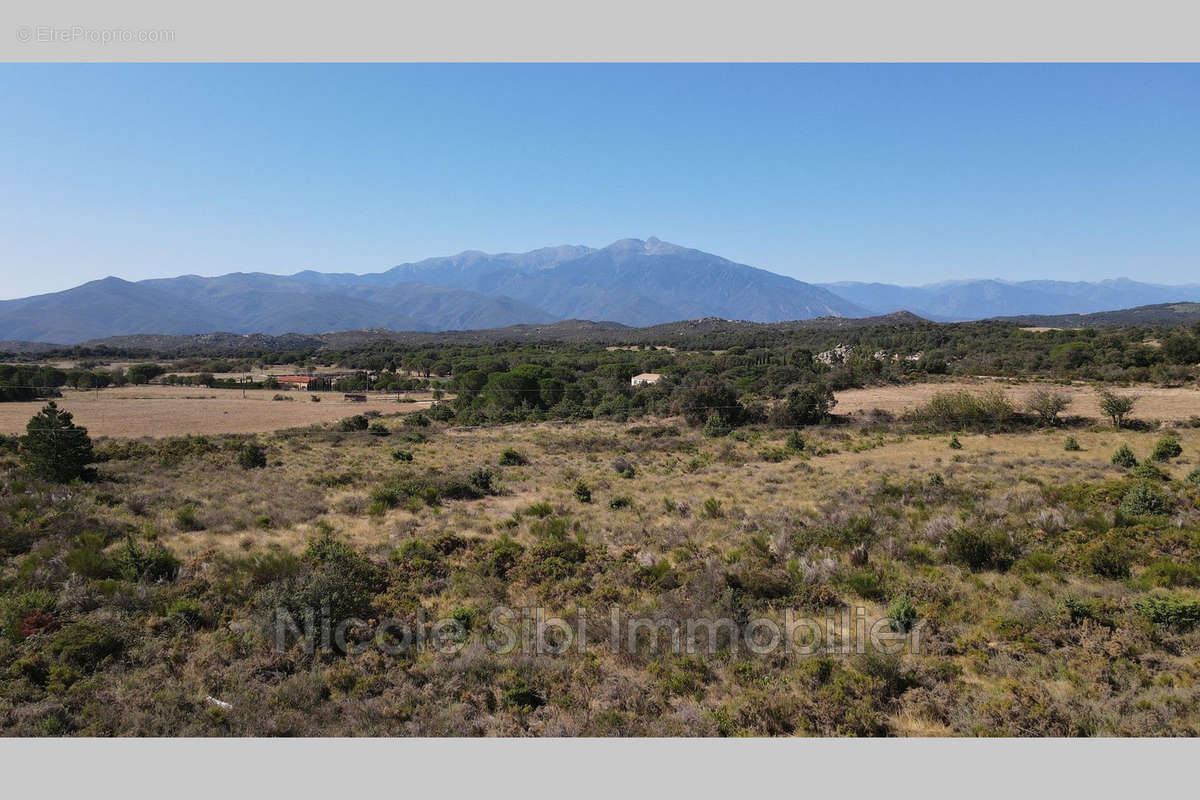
(632, 282)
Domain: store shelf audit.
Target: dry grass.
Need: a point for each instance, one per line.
(1154, 403)
(135, 411)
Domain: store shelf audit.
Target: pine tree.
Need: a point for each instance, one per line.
(54, 448)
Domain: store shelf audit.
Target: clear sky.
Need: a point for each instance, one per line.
(897, 173)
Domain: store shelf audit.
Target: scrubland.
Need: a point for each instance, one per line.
(1057, 593)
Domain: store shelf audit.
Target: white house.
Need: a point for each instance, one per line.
(645, 377)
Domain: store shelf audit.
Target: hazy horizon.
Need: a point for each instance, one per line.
(901, 174)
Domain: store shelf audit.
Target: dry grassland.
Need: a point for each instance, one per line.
(136, 411)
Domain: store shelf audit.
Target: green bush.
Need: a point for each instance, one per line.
(955, 444)
(583, 492)
(795, 442)
(252, 456)
(716, 426)
(358, 422)
(1144, 499)
(1194, 477)
(1071, 444)
(503, 556)
(54, 448)
(1147, 471)
(621, 501)
(86, 645)
(1172, 611)
(1124, 457)
(1166, 448)
(512, 458)
(713, 509)
(186, 520)
(87, 557)
(979, 550)
(902, 614)
(402, 455)
(1110, 558)
(379, 429)
(155, 563)
(961, 409)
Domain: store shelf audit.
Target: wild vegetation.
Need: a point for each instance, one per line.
(1046, 558)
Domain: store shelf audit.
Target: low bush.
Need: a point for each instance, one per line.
(1071, 445)
(358, 422)
(964, 410)
(583, 492)
(1166, 448)
(979, 550)
(1124, 457)
(1172, 611)
(1144, 499)
(512, 458)
(252, 456)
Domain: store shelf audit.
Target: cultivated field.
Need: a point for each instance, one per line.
(135, 411)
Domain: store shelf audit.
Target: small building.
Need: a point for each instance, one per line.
(645, 378)
(293, 381)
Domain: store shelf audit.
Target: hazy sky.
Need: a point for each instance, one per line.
(903, 174)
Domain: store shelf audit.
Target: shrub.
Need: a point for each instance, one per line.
(980, 549)
(1148, 472)
(1166, 448)
(717, 426)
(1170, 573)
(54, 448)
(713, 509)
(1194, 477)
(185, 518)
(621, 501)
(1071, 444)
(902, 615)
(804, 405)
(1124, 457)
(960, 409)
(379, 429)
(87, 557)
(1173, 611)
(1047, 405)
(1110, 558)
(1144, 499)
(503, 556)
(155, 563)
(252, 456)
(795, 442)
(1116, 407)
(955, 444)
(358, 422)
(86, 645)
(540, 510)
(512, 458)
(185, 612)
(866, 583)
(402, 455)
(583, 492)
(481, 481)
(624, 468)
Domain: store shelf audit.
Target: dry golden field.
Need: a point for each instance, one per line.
(135, 411)
(1171, 405)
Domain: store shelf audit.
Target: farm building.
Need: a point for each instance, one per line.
(293, 381)
(645, 378)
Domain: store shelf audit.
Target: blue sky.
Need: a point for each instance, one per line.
(897, 173)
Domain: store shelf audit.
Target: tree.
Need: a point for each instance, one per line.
(1047, 405)
(699, 396)
(54, 447)
(1116, 406)
(806, 404)
(143, 373)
